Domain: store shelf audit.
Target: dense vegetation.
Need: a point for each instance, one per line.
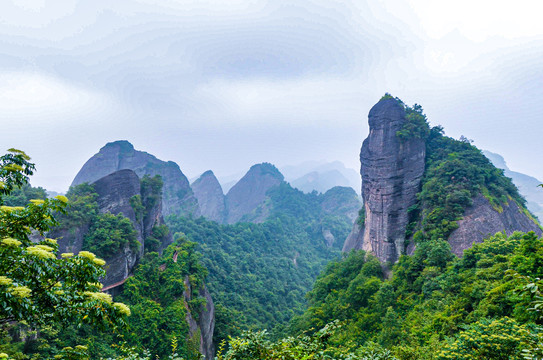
(260, 273)
(38, 288)
(431, 305)
(433, 300)
(456, 172)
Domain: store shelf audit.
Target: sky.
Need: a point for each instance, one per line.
(222, 85)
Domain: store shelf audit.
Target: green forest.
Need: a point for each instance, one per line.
(280, 291)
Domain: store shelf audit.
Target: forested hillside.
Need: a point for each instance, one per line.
(275, 285)
(260, 273)
(438, 301)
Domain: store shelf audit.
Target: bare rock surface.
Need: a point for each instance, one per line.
(208, 192)
(391, 171)
(250, 192)
(205, 326)
(481, 221)
(178, 197)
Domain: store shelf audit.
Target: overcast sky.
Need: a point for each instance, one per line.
(224, 84)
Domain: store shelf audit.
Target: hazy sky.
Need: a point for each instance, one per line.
(224, 84)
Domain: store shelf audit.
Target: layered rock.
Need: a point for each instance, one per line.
(481, 221)
(249, 193)
(391, 171)
(178, 197)
(210, 197)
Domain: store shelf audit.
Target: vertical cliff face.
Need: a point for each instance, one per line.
(250, 192)
(210, 197)
(115, 192)
(204, 327)
(178, 197)
(391, 171)
(452, 183)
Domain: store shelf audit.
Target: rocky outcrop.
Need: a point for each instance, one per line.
(202, 326)
(481, 220)
(391, 171)
(210, 197)
(355, 240)
(178, 197)
(115, 192)
(249, 193)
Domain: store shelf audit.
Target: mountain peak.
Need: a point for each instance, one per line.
(265, 169)
(123, 144)
(210, 196)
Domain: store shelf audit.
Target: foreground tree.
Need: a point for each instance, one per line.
(37, 286)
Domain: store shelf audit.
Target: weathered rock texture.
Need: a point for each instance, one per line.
(178, 197)
(114, 193)
(481, 220)
(391, 171)
(355, 240)
(250, 193)
(203, 328)
(210, 197)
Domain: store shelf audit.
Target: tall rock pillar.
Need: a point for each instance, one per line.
(391, 171)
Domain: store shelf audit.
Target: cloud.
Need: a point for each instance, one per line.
(228, 77)
(42, 98)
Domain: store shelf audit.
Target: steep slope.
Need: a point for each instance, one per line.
(527, 185)
(178, 197)
(119, 217)
(250, 192)
(391, 170)
(338, 205)
(419, 185)
(88, 224)
(210, 197)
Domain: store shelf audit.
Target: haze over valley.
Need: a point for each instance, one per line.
(271, 180)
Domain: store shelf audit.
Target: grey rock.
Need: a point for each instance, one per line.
(481, 221)
(114, 193)
(178, 197)
(204, 327)
(249, 193)
(328, 237)
(355, 240)
(210, 197)
(391, 172)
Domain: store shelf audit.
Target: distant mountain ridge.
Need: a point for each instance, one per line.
(527, 185)
(321, 176)
(247, 201)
